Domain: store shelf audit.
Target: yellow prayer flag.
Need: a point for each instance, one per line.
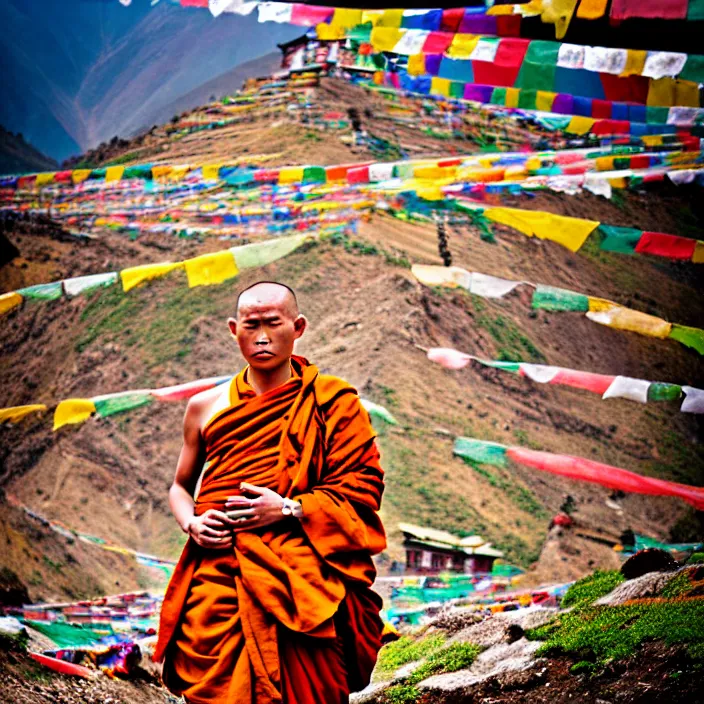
(390, 18)
(599, 304)
(8, 301)
(621, 182)
(605, 163)
(345, 17)
(580, 125)
(80, 175)
(512, 96)
(161, 171)
(430, 192)
(500, 10)
(591, 9)
(291, 174)
(687, 94)
(568, 232)
(440, 86)
(211, 172)
(385, 38)
(329, 33)
(635, 63)
(114, 173)
(533, 163)
(652, 140)
(416, 64)
(661, 92)
(433, 171)
(209, 269)
(138, 274)
(632, 321)
(73, 410)
(544, 100)
(559, 13)
(45, 178)
(371, 17)
(16, 413)
(178, 173)
(698, 256)
(462, 46)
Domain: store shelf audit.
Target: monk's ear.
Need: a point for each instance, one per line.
(232, 324)
(299, 325)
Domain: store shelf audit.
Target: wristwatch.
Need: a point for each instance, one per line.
(292, 508)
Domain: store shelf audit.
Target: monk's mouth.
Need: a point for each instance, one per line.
(263, 353)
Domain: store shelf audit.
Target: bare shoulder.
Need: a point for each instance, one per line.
(204, 405)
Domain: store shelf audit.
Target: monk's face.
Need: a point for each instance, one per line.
(267, 325)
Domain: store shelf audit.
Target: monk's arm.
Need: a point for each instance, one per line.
(340, 514)
(213, 528)
(190, 464)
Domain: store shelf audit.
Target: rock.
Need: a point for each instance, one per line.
(648, 560)
(12, 591)
(643, 587)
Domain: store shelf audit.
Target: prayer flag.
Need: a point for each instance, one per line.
(209, 269)
(73, 410)
(138, 274)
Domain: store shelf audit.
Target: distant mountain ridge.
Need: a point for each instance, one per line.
(77, 73)
(16, 156)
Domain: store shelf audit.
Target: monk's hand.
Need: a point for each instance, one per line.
(213, 529)
(247, 513)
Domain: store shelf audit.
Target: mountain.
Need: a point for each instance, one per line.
(16, 156)
(79, 72)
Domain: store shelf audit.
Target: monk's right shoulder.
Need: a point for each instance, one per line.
(200, 406)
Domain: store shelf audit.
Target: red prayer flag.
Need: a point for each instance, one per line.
(664, 245)
(194, 3)
(625, 89)
(451, 18)
(611, 127)
(610, 477)
(310, 15)
(508, 25)
(437, 42)
(652, 9)
(503, 70)
(596, 383)
(601, 109)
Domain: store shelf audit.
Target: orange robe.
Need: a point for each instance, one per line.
(288, 615)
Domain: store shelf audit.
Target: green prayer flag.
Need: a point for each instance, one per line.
(314, 174)
(480, 451)
(403, 171)
(42, 292)
(124, 402)
(620, 239)
(694, 66)
(376, 411)
(139, 171)
(659, 391)
(498, 96)
(655, 115)
(552, 298)
(538, 67)
(456, 89)
(691, 337)
(526, 99)
(67, 635)
(513, 367)
(98, 174)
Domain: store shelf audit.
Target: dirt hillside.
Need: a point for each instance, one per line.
(109, 478)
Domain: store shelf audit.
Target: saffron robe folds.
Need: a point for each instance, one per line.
(288, 615)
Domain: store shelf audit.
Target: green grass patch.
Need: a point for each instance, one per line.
(455, 657)
(513, 345)
(405, 650)
(588, 589)
(601, 634)
(677, 586)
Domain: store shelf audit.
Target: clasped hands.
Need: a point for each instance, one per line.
(216, 529)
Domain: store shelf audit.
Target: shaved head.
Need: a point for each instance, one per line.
(268, 293)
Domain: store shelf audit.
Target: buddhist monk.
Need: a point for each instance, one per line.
(271, 600)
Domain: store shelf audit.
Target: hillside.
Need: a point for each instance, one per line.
(17, 156)
(109, 478)
(79, 73)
